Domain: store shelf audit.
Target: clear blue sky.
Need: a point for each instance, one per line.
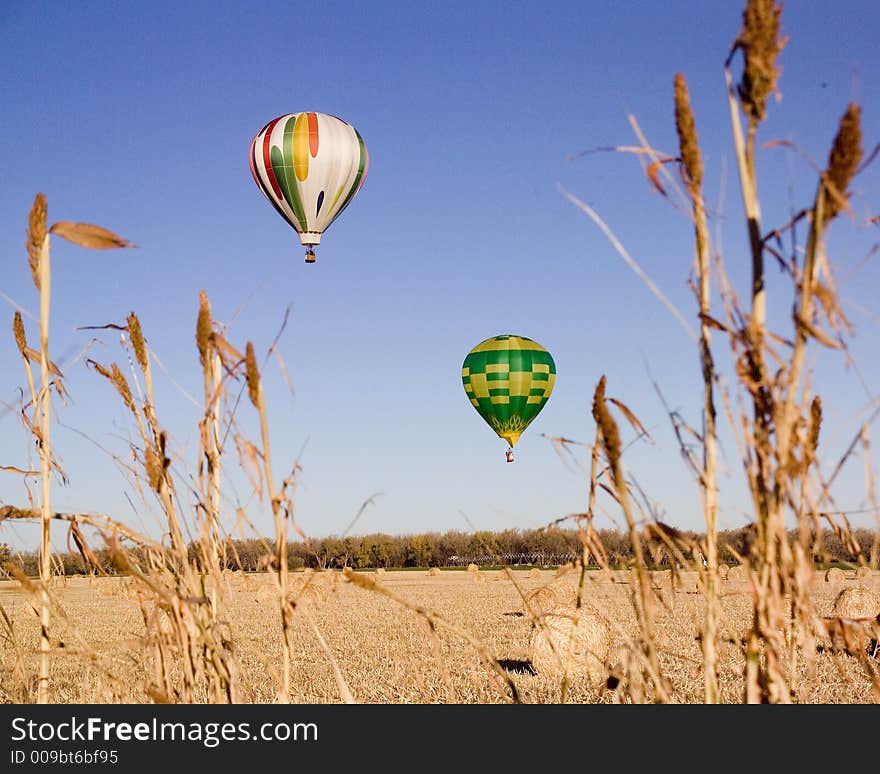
(138, 117)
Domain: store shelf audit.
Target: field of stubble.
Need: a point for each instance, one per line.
(387, 653)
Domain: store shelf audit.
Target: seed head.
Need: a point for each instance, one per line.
(122, 387)
(813, 430)
(204, 325)
(137, 341)
(761, 45)
(846, 153)
(689, 148)
(18, 330)
(36, 235)
(253, 375)
(610, 433)
(154, 468)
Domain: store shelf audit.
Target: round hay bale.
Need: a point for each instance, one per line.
(723, 571)
(857, 602)
(566, 593)
(539, 601)
(738, 573)
(473, 567)
(478, 577)
(434, 571)
(863, 572)
(578, 642)
(834, 575)
(534, 573)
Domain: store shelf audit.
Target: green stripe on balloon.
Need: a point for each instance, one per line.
(291, 191)
(362, 162)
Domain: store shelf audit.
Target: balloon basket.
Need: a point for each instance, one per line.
(509, 455)
(310, 256)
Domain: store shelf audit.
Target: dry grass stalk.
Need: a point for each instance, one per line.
(781, 441)
(213, 555)
(689, 150)
(39, 262)
(194, 659)
(571, 642)
(255, 392)
(643, 598)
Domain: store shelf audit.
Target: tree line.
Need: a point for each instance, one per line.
(452, 548)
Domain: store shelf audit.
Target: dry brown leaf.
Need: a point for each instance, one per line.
(13, 469)
(713, 323)
(229, 355)
(610, 491)
(652, 171)
(99, 368)
(639, 428)
(88, 235)
(85, 551)
(818, 334)
(33, 356)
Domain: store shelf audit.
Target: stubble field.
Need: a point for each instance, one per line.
(388, 652)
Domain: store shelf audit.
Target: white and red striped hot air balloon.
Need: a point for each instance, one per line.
(309, 166)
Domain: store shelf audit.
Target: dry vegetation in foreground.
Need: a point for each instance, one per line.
(387, 653)
(178, 627)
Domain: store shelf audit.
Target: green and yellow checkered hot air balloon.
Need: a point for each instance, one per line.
(508, 380)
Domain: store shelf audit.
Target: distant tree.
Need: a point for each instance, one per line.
(419, 551)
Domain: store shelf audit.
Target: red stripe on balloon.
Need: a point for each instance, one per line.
(270, 173)
(251, 161)
(313, 134)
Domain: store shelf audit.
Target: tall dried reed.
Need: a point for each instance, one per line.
(779, 438)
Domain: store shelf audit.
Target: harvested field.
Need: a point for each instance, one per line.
(388, 653)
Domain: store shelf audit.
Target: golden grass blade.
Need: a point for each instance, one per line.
(88, 235)
(629, 260)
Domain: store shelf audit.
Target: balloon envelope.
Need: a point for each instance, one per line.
(508, 380)
(309, 166)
